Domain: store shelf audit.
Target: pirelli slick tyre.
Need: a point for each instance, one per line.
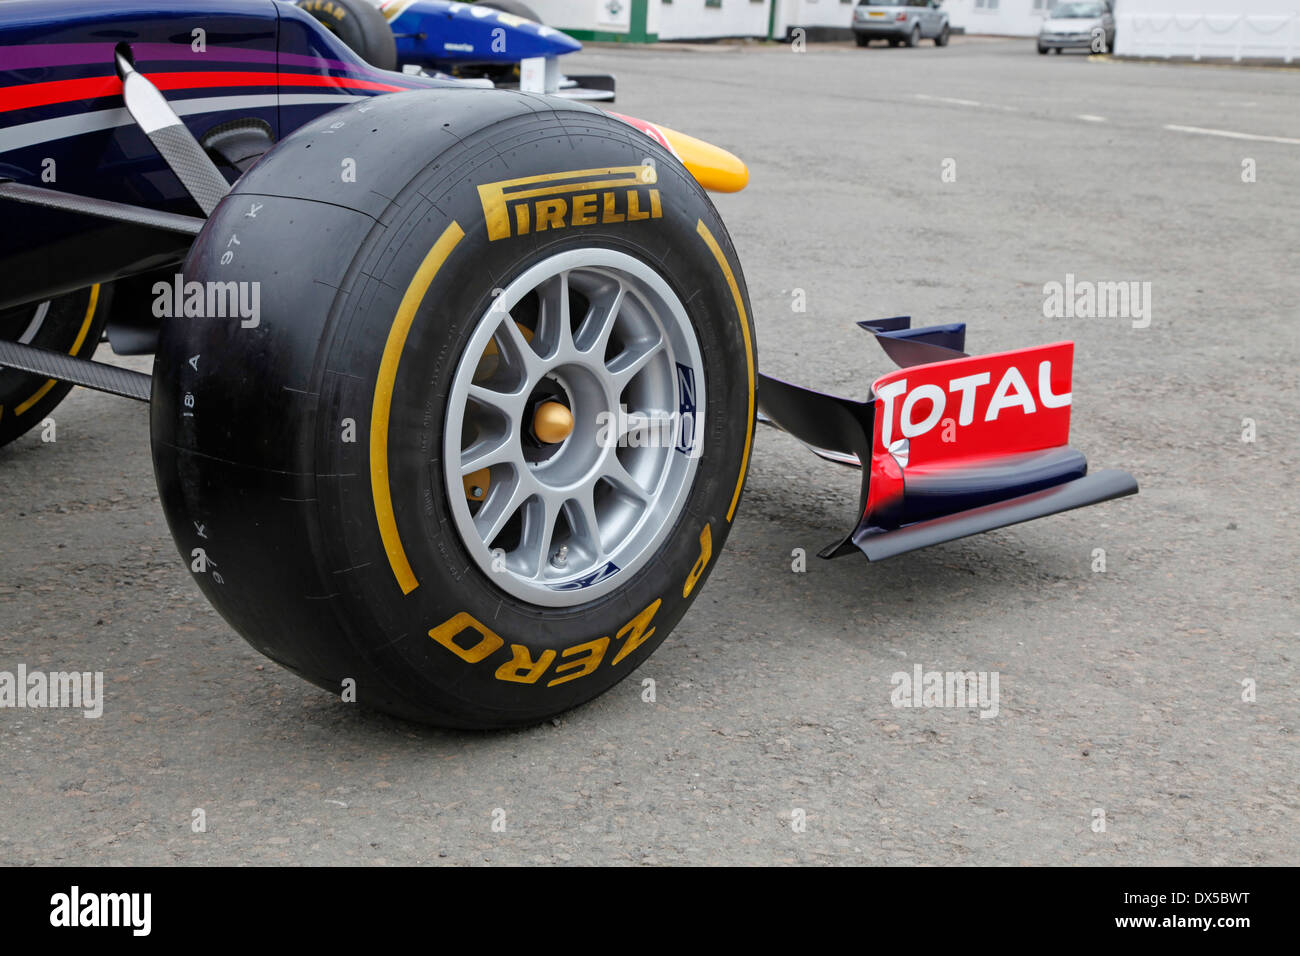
(360, 25)
(481, 444)
(71, 323)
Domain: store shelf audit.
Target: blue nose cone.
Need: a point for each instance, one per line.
(435, 31)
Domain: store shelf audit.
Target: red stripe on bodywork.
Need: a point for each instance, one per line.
(26, 96)
(650, 129)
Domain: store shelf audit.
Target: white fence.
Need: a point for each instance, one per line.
(1236, 29)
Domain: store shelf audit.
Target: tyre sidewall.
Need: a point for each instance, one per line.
(303, 518)
(451, 583)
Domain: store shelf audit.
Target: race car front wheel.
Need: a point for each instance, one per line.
(360, 25)
(72, 324)
(482, 443)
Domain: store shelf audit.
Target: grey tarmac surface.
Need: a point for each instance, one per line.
(1120, 690)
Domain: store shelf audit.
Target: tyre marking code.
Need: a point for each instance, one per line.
(382, 407)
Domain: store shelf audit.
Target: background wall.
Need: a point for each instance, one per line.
(1193, 28)
(591, 16)
(1208, 28)
(1001, 17)
(692, 19)
(812, 13)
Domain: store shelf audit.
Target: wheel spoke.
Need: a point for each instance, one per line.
(522, 358)
(620, 478)
(509, 405)
(631, 362)
(487, 452)
(585, 526)
(540, 516)
(554, 322)
(504, 500)
(599, 323)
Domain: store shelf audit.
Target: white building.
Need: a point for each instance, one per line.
(1184, 28)
(812, 15)
(648, 20)
(688, 19)
(1015, 18)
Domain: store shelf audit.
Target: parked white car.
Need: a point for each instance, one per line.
(1080, 24)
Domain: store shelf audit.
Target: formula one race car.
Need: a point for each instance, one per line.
(500, 42)
(455, 391)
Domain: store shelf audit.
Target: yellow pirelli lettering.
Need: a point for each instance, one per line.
(489, 642)
(474, 642)
(324, 6)
(706, 552)
(638, 631)
(584, 210)
(595, 653)
(634, 213)
(551, 213)
(611, 213)
(498, 198)
(522, 669)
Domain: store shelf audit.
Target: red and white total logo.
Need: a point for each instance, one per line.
(983, 405)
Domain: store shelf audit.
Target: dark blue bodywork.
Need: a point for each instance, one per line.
(63, 125)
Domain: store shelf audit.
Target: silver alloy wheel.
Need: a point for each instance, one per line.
(561, 522)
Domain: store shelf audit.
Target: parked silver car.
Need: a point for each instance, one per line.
(1080, 24)
(900, 21)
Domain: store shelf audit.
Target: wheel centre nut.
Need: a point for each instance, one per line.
(552, 423)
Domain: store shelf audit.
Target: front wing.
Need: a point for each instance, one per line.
(949, 444)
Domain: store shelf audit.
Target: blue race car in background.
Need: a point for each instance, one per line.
(500, 42)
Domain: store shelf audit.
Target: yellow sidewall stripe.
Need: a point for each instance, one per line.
(712, 243)
(76, 348)
(381, 409)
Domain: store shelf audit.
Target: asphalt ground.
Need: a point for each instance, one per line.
(1158, 696)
